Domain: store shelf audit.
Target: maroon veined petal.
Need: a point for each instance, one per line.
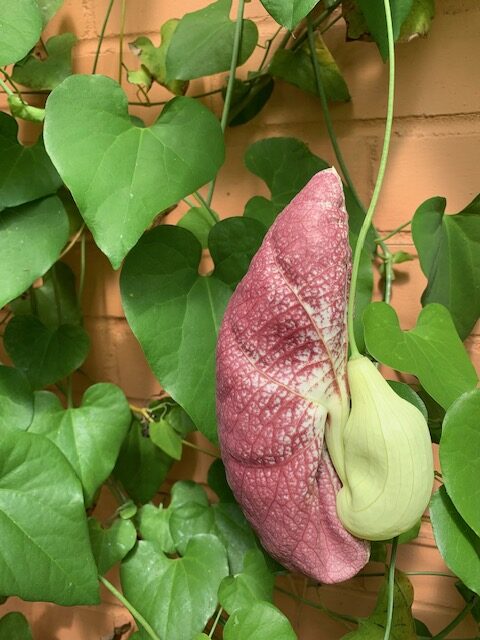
(281, 381)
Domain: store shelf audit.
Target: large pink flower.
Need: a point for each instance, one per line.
(281, 382)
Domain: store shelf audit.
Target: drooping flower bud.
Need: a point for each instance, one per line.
(387, 458)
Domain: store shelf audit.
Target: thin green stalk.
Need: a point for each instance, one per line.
(340, 617)
(200, 449)
(215, 622)
(378, 184)
(326, 113)
(268, 48)
(389, 275)
(231, 81)
(456, 621)
(138, 616)
(162, 102)
(187, 202)
(81, 283)
(393, 233)
(380, 574)
(120, 39)
(206, 205)
(6, 88)
(321, 18)
(391, 585)
(102, 35)
(9, 79)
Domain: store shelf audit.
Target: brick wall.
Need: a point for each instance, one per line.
(435, 151)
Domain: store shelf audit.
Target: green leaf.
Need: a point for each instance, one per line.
(40, 494)
(406, 392)
(285, 165)
(55, 302)
(48, 8)
(217, 480)
(436, 415)
(421, 630)
(26, 173)
(164, 436)
(14, 626)
(175, 314)
(418, 20)
(21, 109)
(261, 621)
(199, 221)
(449, 250)
(122, 175)
(296, 67)
(16, 400)
(254, 583)
(180, 421)
(459, 447)
(154, 59)
(141, 466)
(111, 545)
(89, 436)
(364, 290)
(203, 41)
(468, 596)
(249, 98)
(403, 625)
(235, 532)
(288, 13)
(458, 544)
(233, 242)
(374, 12)
(45, 355)
(31, 239)
(432, 350)
(176, 596)
(154, 525)
(47, 73)
(20, 29)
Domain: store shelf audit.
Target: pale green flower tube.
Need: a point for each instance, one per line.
(387, 458)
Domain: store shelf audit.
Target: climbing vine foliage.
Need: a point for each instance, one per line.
(191, 566)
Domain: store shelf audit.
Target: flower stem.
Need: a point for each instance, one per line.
(231, 81)
(138, 616)
(391, 586)
(378, 184)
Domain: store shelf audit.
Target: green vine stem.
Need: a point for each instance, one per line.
(123, 12)
(231, 81)
(215, 622)
(102, 35)
(391, 586)
(138, 616)
(393, 232)
(6, 88)
(321, 18)
(378, 184)
(456, 621)
(339, 617)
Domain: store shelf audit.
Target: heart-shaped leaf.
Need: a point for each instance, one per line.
(55, 302)
(20, 29)
(111, 545)
(164, 436)
(281, 370)
(122, 175)
(458, 544)
(141, 466)
(90, 437)
(45, 355)
(233, 243)
(40, 493)
(374, 13)
(217, 480)
(285, 165)
(176, 596)
(249, 97)
(261, 621)
(153, 58)
(288, 13)
(449, 251)
(45, 224)
(199, 221)
(459, 447)
(50, 72)
(175, 314)
(254, 583)
(432, 350)
(296, 67)
(403, 625)
(203, 42)
(16, 399)
(154, 525)
(26, 173)
(14, 626)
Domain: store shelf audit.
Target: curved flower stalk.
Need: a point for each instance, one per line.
(281, 383)
(387, 466)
